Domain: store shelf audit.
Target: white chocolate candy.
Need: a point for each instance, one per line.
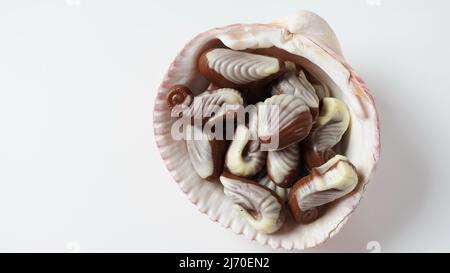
(260, 206)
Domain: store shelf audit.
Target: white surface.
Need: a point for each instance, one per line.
(79, 168)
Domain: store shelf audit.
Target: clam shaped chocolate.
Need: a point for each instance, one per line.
(229, 68)
(301, 42)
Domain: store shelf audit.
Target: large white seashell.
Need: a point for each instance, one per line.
(313, 45)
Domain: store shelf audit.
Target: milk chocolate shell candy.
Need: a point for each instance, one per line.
(283, 193)
(209, 106)
(299, 86)
(331, 125)
(205, 153)
(283, 120)
(283, 165)
(324, 184)
(260, 206)
(229, 68)
(179, 95)
(322, 91)
(244, 157)
(307, 41)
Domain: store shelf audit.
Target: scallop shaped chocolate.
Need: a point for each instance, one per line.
(230, 68)
(283, 120)
(299, 86)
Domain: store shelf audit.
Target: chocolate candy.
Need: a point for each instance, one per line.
(326, 183)
(283, 165)
(206, 153)
(260, 206)
(283, 120)
(328, 130)
(236, 69)
(297, 85)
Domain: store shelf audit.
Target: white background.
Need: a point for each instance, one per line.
(79, 168)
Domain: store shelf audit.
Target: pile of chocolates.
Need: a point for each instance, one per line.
(279, 158)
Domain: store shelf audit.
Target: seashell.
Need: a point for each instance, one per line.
(307, 40)
(205, 153)
(323, 185)
(283, 120)
(299, 86)
(283, 165)
(244, 158)
(283, 193)
(229, 68)
(331, 125)
(260, 206)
